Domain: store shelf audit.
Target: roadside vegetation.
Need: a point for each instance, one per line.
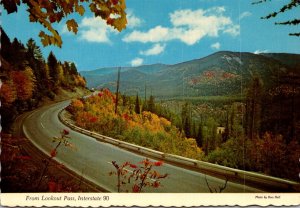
(97, 113)
(231, 134)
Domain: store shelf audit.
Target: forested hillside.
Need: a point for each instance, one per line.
(219, 74)
(27, 78)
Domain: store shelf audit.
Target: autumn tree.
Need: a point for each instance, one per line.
(49, 12)
(24, 82)
(7, 93)
(291, 5)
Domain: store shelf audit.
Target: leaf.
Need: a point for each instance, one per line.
(120, 23)
(72, 25)
(11, 6)
(80, 9)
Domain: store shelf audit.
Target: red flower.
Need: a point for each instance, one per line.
(135, 188)
(158, 163)
(100, 94)
(53, 153)
(65, 132)
(133, 166)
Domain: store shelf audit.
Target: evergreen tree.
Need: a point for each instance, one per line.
(6, 48)
(144, 106)
(137, 105)
(37, 64)
(73, 69)
(53, 68)
(18, 60)
(253, 108)
(199, 137)
(186, 120)
(151, 104)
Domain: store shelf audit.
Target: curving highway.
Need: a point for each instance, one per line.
(92, 159)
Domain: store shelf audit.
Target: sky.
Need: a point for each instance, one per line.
(165, 31)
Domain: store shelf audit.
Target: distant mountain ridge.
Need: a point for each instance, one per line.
(221, 73)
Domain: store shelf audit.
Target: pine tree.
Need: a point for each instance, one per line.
(199, 137)
(253, 108)
(53, 68)
(73, 69)
(186, 120)
(151, 104)
(37, 63)
(137, 105)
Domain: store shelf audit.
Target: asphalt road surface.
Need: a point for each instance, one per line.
(92, 159)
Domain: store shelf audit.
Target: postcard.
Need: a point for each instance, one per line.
(150, 103)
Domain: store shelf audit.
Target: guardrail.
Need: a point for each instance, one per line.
(267, 183)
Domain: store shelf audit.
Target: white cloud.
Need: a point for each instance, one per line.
(233, 31)
(156, 34)
(260, 51)
(244, 15)
(94, 29)
(132, 20)
(155, 50)
(216, 46)
(189, 27)
(137, 62)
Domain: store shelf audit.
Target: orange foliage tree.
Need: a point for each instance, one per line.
(24, 83)
(8, 93)
(96, 113)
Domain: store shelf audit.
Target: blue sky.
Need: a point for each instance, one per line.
(166, 31)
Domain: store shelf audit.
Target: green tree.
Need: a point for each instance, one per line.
(199, 137)
(53, 68)
(37, 63)
(151, 104)
(186, 119)
(211, 137)
(18, 60)
(137, 104)
(253, 108)
(73, 69)
(49, 12)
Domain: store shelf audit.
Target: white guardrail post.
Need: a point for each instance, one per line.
(260, 180)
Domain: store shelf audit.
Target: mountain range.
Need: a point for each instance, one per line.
(221, 73)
